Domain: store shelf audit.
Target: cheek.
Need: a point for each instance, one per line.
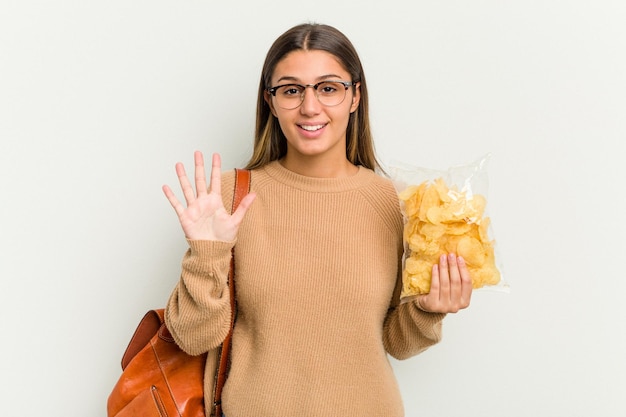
(349, 110)
(284, 118)
(286, 127)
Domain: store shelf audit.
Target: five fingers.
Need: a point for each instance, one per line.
(201, 192)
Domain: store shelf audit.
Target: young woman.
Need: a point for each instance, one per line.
(318, 250)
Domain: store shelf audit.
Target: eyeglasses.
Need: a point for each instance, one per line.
(329, 93)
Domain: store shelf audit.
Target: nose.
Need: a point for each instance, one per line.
(310, 103)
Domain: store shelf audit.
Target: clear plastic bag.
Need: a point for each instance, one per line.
(446, 212)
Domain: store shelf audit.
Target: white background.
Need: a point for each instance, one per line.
(99, 100)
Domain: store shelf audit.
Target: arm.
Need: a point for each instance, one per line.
(198, 311)
(412, 327)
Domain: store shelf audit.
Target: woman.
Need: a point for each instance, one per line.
(318, 250)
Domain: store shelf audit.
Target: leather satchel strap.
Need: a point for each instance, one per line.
(242, 187)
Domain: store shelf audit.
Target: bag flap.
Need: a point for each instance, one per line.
(148, 327)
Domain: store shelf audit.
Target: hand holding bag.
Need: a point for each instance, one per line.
(160, 379)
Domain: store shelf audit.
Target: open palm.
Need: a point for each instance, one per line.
(205, 217)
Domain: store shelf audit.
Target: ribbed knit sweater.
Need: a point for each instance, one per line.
(318, 282)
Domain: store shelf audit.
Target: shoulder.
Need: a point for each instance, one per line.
(379, 188)
(380, 193)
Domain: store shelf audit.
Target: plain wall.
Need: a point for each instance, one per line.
(99, 100)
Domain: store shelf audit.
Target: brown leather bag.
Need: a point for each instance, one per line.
(160, 379)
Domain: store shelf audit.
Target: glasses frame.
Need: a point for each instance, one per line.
(346, 85)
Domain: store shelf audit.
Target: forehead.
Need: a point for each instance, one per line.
(309, 66)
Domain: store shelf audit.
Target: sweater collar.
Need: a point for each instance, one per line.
(320, 185)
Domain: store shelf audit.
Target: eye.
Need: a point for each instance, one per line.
(290, 90)
(329, 88)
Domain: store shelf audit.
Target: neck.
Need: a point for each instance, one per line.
(319, 167)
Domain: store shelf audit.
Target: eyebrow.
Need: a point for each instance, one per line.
(321, 78)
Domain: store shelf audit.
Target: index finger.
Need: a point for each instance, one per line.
(216, 175)
(466, 281)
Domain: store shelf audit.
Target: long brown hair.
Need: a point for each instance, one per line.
(269, 142)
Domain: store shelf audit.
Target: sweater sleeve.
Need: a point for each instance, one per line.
(408, 330)
(198, 311)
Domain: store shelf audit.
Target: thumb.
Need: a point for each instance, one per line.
(243, 207)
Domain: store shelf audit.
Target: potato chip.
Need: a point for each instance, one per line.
(471, 250)
(430, 198)
(483, 229)
(417, 275)
(431, 230)
(458, 228)
(445, 194)
(443, 220)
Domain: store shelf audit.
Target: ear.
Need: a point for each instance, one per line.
(268, 99)
(356, 97)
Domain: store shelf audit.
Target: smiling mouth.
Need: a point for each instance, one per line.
(311, 128)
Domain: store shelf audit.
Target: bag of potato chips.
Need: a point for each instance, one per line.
(445, 212)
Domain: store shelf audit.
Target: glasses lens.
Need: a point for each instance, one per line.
(289, 96)
(331, 93)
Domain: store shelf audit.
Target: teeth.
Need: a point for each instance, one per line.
(312, 128)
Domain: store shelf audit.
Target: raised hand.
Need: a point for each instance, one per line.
(450, 288)
(204, 217)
